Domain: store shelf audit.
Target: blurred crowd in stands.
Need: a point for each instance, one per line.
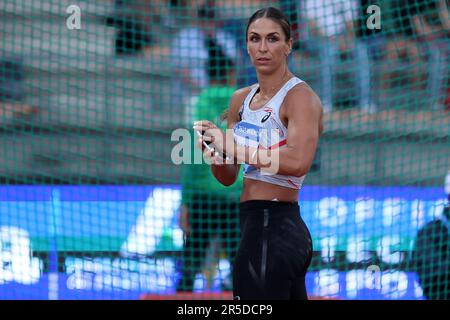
(334, 32)
(411, 47)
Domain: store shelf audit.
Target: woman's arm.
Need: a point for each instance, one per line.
(303, 111)
(227, 174)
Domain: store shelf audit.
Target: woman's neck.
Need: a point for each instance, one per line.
(269, 85)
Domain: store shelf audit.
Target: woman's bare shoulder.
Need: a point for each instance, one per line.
(241, 93)
(238, 98)
(303, 94)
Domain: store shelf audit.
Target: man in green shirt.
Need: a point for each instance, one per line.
(209, 209)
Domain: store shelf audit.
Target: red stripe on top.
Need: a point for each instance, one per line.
(293, 184)
(279, 144)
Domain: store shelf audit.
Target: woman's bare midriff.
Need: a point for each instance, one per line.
(259, 190)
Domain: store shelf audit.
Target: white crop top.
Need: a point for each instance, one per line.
(264, 128)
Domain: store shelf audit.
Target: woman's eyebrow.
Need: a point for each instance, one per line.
(269, 34)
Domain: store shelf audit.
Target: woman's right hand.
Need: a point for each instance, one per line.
(210, 156)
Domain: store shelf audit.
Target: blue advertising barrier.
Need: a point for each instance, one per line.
(74, 226)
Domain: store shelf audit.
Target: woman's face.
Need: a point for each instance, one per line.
(267, 45)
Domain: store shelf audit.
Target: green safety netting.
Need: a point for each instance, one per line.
(98, 97)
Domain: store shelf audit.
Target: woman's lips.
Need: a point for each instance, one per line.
(263, 60)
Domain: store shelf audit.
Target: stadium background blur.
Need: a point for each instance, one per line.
(89, 194)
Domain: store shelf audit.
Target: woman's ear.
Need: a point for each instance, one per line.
(289, 49)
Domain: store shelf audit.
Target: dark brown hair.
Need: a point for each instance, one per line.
(274, 14)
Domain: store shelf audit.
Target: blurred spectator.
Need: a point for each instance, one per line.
(213, 213)
(417, 44)
(189, 49)
(139, 24)
(401, 50)
(431, 254)
(235, 15)
(432, 26)
(12, 90)
(331, 37)
(291, 9)
(373, 38)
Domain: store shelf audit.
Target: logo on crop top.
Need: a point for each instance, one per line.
(267, 116)
(247, 134)
(268, 112)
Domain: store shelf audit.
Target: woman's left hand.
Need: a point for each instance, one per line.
(211, 133)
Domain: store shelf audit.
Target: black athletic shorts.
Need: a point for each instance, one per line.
(274, 253)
